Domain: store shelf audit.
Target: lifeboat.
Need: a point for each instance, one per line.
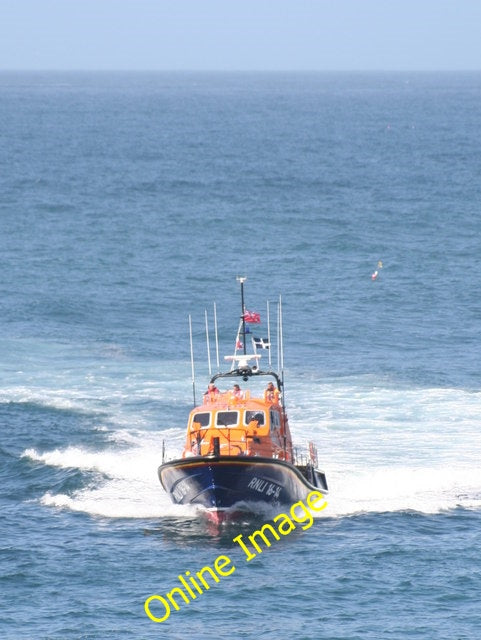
(238, 450)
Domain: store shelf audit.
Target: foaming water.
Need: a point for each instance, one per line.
(384, 449)
(123, 481)
(388, 448)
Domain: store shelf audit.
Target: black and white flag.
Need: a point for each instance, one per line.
(260, 343)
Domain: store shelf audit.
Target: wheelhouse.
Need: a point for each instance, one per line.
(250, 427)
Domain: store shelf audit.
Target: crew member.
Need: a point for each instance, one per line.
(237, 393)
(212, 393)
(271, 394)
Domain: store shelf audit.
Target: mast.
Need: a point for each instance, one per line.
(242, 279)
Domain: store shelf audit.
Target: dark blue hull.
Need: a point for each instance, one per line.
(221, 482)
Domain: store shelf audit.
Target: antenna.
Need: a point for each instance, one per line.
(278, 338)
(269, 335)
(192, 357)
(281, 362)
(281, 340)
(216, 338)
(208, 345)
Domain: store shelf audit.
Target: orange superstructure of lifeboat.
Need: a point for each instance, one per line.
(247, 426)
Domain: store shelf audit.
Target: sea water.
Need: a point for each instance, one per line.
(128, 202)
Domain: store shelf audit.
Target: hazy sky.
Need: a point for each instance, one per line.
(240, 34)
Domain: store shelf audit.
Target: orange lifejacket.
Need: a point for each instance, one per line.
(211, 394)
(271, 395)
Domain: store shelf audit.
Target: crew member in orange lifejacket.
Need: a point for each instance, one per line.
(271, 394)
(212, 393)
(237, 392)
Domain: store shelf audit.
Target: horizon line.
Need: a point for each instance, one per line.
(263, 71)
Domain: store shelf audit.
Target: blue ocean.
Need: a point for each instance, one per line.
(129, 202)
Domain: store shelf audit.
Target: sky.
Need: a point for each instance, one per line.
(240, 35)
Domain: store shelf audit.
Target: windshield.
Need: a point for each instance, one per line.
(227, 418)
(202, 418)
(255, 415)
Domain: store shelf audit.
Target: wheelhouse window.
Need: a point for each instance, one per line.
(202, 418)
(227, 418)
(255, 415)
